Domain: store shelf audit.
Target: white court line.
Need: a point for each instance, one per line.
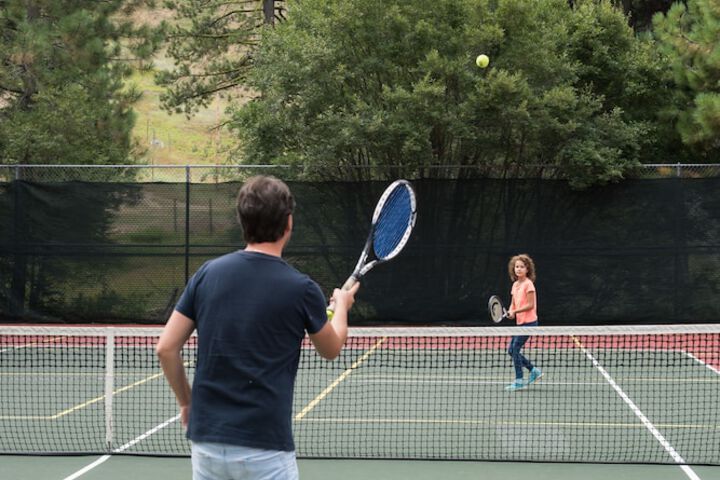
(710, 367)
(645, 421)
(86, 469)
(104, 458)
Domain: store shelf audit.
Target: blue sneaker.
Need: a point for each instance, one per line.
(516, 385)
(535, 375)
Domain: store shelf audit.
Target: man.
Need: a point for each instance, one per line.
(251, 311)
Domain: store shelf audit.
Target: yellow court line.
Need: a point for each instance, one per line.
(87, 403)
(23, 417)
(32, 344)
(337, 381)
(98, 399)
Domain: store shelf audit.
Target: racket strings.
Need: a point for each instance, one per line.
(393, 222)
(496, 309)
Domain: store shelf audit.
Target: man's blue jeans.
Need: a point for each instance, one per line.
(218, 461)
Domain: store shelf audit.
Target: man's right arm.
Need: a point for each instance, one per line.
(330, 339)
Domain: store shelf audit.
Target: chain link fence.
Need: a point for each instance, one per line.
(117, 244)
(238, 173)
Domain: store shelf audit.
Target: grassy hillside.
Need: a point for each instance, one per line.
(173, 139)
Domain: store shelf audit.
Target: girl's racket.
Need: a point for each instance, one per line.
(390, 230)
(498, 313)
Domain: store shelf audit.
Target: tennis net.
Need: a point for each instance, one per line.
(641, 394)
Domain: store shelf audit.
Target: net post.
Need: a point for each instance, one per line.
(109, 386)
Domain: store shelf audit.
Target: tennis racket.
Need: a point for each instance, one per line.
(392, 224)
(497, 311)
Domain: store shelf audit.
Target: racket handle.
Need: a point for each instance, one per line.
(346, 286)
(349, 283)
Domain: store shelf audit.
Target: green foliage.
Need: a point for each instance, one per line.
(62, 101)
(61, 83)
(689, 36)
(377, 82)
(640, 12)
(114, 305)
(149, 235)
(212, 44)
(66, 125)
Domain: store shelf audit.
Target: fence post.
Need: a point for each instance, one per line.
(680, 313)
(16, 300)
(187, 223)
(210, 215)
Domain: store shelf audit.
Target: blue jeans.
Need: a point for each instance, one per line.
(515, 351)
(219, 461)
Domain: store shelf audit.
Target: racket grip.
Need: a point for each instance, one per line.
(349, 283)
(346, 286)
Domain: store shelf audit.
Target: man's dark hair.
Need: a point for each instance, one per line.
(264, 204)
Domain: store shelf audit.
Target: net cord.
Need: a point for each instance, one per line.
(484, 331)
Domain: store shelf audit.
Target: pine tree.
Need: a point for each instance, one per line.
(62, 65)
(690, 37)
(63, 101)
(212, 44)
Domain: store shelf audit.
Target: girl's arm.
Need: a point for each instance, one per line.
(511, 310)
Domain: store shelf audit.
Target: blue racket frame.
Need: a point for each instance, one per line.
(392, 223)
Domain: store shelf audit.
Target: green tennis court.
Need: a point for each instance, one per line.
(610, 394)
(123, 467)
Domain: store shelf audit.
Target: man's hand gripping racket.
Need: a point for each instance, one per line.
(392, 224)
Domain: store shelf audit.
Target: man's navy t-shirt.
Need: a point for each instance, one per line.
(251, 312)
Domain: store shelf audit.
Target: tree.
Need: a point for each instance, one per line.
(372, 82)
(212, 44)
(62, 101)
(62, 98)
(640, 12)
(689, 35)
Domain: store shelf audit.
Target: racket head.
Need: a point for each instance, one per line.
(393, 220)
(496, 310)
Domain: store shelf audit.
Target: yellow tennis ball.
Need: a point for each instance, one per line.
(482, 61)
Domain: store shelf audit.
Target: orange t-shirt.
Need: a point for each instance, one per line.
(519, 294)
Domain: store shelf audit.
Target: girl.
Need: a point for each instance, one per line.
(523, 308)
